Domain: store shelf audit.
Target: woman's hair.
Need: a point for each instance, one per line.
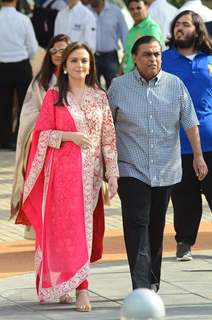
(63, 82)
(47, 68)
(203, 42)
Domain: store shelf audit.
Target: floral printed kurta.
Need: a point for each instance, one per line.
(62, 187)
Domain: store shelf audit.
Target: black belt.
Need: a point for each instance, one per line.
(15, 62)
(100, 53)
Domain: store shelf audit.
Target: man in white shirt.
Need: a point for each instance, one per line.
(110, 23)
(78, 22)
(197, 6)
(18, 45)
(163, 13)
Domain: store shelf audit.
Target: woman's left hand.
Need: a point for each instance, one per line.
(112, 186)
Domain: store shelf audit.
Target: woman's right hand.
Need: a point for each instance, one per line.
(78, 138)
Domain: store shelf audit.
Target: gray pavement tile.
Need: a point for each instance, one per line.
(192, 311)
(96, 314)
(17, 313)
(57, 311)
(10, 310)
(7, 285)
(20, 295)
(183, 298)
(111, 282)
(200, 289)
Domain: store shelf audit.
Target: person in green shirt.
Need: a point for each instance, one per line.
(144, 25)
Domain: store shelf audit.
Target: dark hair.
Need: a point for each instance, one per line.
(129, 1)
(143, 40)
(203, 42)
(62, 82)
(47, 68)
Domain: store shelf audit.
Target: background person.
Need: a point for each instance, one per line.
(43, 19)
(148, 106)
(190, 58)
(209, 27)
(62, 195)
(163, 13)
(144, 25)
(45, 78)
(18, 45)
(78, 22)
(197, 6)
(111, 28)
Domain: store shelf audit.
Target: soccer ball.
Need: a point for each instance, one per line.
(143, 304)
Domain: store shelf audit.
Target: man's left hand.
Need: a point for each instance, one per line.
(200, 167)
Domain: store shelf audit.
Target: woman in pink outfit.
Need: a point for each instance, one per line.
(62, 199)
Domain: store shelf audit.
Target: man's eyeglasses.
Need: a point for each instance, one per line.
(55, 50)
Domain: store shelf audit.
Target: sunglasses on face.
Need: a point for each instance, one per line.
(55, 50)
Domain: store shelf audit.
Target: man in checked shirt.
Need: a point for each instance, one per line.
(148, 106)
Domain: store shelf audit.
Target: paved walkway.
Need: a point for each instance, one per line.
(186, 287)
(185, 290)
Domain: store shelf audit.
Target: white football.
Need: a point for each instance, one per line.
(143, 304)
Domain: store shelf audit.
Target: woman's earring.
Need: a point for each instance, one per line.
(65, 71)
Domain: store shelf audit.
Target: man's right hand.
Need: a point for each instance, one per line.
(200, 167)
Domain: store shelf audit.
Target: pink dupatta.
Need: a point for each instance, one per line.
(58, 201)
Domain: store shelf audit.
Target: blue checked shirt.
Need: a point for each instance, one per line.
(147, 117)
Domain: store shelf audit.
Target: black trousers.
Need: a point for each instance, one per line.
(143, 210)
(187, 200)
(15, 79)
(107, 65)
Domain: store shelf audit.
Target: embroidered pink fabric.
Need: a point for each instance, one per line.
(61, 190)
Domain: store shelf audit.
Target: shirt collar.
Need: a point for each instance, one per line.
(106, 6)
(176, 54)
(139, 78)
(78, 4)
(8, 8)
(143, 22)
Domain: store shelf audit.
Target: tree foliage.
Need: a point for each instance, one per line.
(179, 3)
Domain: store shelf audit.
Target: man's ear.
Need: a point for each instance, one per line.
(134, 59)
